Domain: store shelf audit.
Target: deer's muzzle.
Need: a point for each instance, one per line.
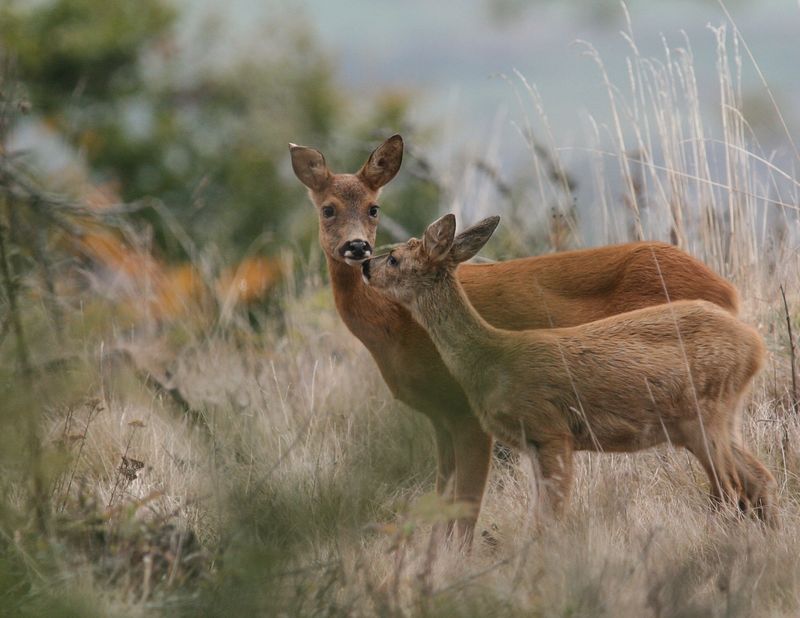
(356, 250)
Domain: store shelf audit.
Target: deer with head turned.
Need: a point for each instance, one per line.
(675, 372)
(561, 289)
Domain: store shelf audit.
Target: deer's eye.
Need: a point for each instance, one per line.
(391, 260)
(328, 211)
(373, 211)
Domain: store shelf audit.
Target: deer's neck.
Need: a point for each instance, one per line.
(368, 314)
(462, 337)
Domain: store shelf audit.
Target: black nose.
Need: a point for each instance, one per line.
(365, 268)
(356, 249)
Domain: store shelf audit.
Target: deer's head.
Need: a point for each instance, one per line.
(347, 204)
(408, 270)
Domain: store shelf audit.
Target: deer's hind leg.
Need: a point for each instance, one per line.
(758, 486)
(554, 458)
(711, 445)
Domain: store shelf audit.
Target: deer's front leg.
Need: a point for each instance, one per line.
(445, 458)
(473, 451)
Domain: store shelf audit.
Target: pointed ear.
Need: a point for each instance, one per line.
(438, 237)
(310, 167)
(470, 241)
(383, 163)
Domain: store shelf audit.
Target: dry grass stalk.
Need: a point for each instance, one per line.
(795, 397)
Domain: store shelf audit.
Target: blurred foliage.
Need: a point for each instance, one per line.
(81, 48)
(207, 137)
(600, 12)
(109, 79)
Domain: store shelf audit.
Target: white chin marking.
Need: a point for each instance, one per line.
(364, 278)
(354, 262)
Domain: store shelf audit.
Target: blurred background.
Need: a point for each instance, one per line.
(183, 110)
(188, 426)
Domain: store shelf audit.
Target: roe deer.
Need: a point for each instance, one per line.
(675, 372)
(563, 289)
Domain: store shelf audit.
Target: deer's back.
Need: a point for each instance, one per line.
(664, 340)
(575, 287)
(626, 377)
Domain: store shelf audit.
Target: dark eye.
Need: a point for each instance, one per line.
(328, 211)
(392, 261)
(373, 210)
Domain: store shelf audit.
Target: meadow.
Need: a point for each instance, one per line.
(218, 463)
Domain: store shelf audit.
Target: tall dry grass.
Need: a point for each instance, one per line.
(285, 481)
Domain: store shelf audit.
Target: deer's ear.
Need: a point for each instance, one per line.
(438, 237)
(383, 164)
(310, 167)
(470, 241)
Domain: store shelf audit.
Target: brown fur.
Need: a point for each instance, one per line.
(675, 372)
(574, 287)
(563, 289)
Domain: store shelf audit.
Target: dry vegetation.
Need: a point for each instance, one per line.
(270, 472)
